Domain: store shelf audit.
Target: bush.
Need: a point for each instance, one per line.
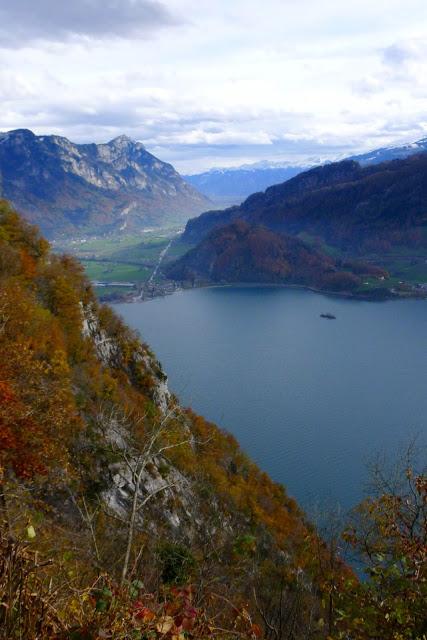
(177, 563)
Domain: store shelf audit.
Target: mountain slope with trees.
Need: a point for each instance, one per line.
(240, 252)
(354, 208)
(109, 479)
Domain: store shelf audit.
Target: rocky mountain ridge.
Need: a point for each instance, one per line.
(69, 188)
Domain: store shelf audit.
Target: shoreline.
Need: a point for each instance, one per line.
(179, 287)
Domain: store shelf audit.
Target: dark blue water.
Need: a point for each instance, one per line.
(311, 400)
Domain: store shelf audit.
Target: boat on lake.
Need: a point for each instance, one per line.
(328, 316)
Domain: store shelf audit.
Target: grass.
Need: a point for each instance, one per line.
(124, 258)
(404, 264)
(118, 244)
(146, 252)
(98, 247)
(116, 271)
(412, 269)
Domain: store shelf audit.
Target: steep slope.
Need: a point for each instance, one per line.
(69, 188)
(240, 252)
(355, 208)
(129, 496)
(123, 515)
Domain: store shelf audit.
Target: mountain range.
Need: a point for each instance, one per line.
(68, 188)
(343, 204)
(230, 186)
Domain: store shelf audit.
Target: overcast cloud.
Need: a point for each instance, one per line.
(25, 21)
(219, 82)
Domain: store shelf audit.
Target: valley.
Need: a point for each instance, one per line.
(213, 320)
(119, 266)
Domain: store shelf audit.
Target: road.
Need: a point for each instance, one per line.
(159, 262)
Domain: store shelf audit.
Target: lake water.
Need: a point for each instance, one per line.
(309, 399)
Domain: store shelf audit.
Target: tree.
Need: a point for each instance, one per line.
(134, 452)
(389, 536)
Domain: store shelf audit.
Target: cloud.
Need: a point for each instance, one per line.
(235, 83)
(399, 54)
(27, 21)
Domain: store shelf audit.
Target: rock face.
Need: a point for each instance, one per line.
(352, 207)
(110, 355)
(68, 188)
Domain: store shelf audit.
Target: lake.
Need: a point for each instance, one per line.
(311, 400)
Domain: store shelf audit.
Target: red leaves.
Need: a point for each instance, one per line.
(177, 616)
(143, 613)
(256, 630)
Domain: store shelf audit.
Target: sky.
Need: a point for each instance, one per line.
(216, 83)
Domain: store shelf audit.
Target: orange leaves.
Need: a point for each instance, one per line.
(18, 436)
(35, 395)
(6, 394)
(28, 265)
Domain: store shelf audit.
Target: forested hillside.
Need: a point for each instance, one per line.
(354, 208)
(240, 252)
(124, 515)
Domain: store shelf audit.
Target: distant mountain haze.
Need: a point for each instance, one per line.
(230, 186)
(68, 188)
(343, 204)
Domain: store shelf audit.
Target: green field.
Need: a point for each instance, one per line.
(411, 269)
(146, 252)
(115, 271)
(130, 258)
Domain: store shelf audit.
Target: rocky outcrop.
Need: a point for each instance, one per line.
(109, 353)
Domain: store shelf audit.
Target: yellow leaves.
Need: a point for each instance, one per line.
(165, 624)
(30, 531)
(74, 606)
